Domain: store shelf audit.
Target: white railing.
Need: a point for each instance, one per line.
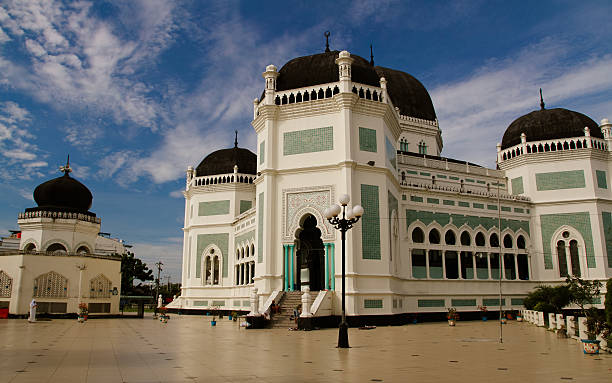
(556, 145)
(227, 178)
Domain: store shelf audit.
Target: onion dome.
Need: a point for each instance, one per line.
(405, 91)
(63, 194)
(549, 124)
(223, 161)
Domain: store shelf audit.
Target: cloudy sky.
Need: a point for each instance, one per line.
(135, 91)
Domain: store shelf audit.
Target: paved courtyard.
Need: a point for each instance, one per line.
(188, 349)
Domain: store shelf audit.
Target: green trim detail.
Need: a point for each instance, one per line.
(433, 200)
(372, 303)
(519, 210)
(478, 205)
(213, 208)
(448, 202)
(493, 302)
(517, 185)
(607, 226)
(469, 180)
(506, 208)
(367, 140)
(237, 304)
(218, 303)
(431, 302)
(403, 197)
(221, 240)
(492, 207)
(517, 301)
(464, 204)
(246, 237)
(415, 198)
(200, 303)
(412, 172)
(571, 179)
(441, 176)
(262, 152)
(454, 178)
(601, 179)
(579, 221)
(425, 174)
(245, 205)
(308, 141)
(463, 302)
(370, 223)
(480, 182)
(260, 227)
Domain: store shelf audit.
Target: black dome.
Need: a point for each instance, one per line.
(406, 92)
(63, 194)
(548, 124)
(223, 161)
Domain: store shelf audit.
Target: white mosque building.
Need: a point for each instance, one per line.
(59, 258)
(333, 123)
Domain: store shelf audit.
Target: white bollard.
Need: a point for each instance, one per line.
(569, 325)
(254, 302)
(540, 321)
(552, 324)
(306, 303)
(582, 328)
(560, 321)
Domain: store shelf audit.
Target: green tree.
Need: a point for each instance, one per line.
(133, 268)
(585, 293)
(548, 299)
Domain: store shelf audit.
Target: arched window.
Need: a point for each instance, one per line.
(574, 258)
(494, 240)
(449, 237)
(422, 147)
(562, 259)
(216, 271)
(30, 247)
(237, 253)
(520, 242)
(466, 240)
(252, 250)
(508, 241)
(434, 236)
(480, 239)
(57, 247)
(51, 285)
(207, 267)
(417, 235)
(83, 250)
(247, 251)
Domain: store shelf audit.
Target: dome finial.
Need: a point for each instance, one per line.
(236, 139)
(371, 56)
(541, 100)
(66, 168)
(326, 34)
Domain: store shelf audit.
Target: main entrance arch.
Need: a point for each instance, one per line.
(310, 255)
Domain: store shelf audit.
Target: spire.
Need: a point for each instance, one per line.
(66, 168)
(236, 139)
(371, 56)
(541, 100)
(326, 34)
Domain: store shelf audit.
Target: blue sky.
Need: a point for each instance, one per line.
(135, 91)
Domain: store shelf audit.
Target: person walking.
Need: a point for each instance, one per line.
(33, 306)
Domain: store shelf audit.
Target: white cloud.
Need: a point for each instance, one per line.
(177, 193)
(169, 253)
(35, 164)
(487, 102)
(4, 37)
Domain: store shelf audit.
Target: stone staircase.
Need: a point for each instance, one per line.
(290, 300)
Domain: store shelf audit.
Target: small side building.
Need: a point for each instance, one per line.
(61, 260)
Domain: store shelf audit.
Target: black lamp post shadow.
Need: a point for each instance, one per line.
(343, 224)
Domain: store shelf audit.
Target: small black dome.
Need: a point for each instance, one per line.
(548, 124)
(223, 161)
(406, 92)
(63, 194)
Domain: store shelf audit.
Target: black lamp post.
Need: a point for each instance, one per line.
(343, 224)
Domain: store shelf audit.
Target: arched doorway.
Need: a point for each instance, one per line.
(310, 255)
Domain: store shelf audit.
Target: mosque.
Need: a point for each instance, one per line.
(436, 232)
(59, 258)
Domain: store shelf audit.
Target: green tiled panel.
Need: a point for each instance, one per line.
(431, 303)
(478, 205)
(454, 178)
(519, 210)
(200, 303)
(492, 207)
(262, 152)
(493, 302)
(469, 180)
(480, 182)
(441, 176)
(237, 304)
(370, 223)
(607, 225)
(308, 141)
(516, 301)
(419, 271)
(415, 198)
(495, 273)
(367, 140)
(391, 153)
(517, 185)
(602, 183)
(412, 172)
(372, 303)
(482, 273)
(580, 221)
(459, 220)
(246, 303)
(497, 184)
(204, 240)
(213, 208)
(464, 204)
(463, 302)
(506, 208)
(571, 179)
(218, 303)
(245, 205)
(435, 272)
(448, 202)
(425, 174)
(403, 197)
(433, 200)
(246, 237)
(260, 226)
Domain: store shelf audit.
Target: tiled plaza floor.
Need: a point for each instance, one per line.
(188, 349)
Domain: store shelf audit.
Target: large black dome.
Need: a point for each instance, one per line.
(63, 194)
(406, 92)
(548, 124)
(223, 161)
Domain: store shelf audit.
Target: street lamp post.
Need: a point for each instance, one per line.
(343, 224)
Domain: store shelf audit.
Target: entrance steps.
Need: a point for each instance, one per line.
(290, 300)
